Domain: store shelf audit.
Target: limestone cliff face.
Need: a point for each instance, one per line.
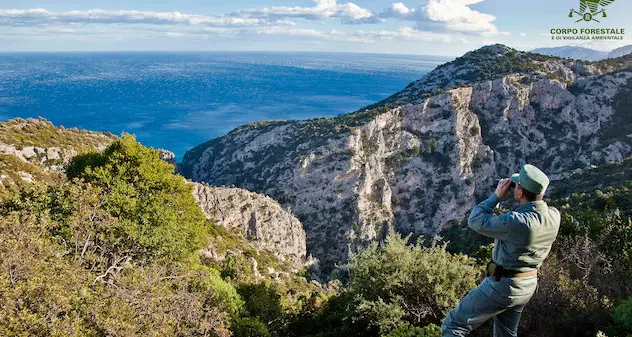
(425, 162)
(261, 220)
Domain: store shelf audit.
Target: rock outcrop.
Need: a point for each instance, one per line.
(167, 156)
(39, 142)
(261, 220)
(421, 159)
(35, 150)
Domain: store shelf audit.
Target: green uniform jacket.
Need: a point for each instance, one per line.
(523, 238)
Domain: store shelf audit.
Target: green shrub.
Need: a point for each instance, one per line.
(262, 301)
(48, 286)
(208, 281)
(622, 315)
(249, 327)
(157, 214)
(563, 305)
(424, 282)
(409, 330)
(238, 269)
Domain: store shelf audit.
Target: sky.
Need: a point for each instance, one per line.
(420, 27)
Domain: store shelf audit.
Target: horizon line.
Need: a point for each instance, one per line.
(211, 51)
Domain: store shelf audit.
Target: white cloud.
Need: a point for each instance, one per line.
(127, 23)
(39, 16)
(450, 15)
(399, 11)
(436, 20)
(349, 12)
(458, 16)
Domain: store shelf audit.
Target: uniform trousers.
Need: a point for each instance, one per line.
(503, 301)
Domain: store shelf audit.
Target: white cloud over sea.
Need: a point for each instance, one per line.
(325, 20)
(440, 27)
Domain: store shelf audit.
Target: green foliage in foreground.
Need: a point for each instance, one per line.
(426, 281)
(115, 252)
(622, 315)
(408, 330)
(61, 275)
(392, 284)
(110, 254)
(249, 327)
(157, 214)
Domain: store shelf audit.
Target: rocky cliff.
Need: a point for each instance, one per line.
(260, 220)
(39, 142)
(35, 150)
(421, 159)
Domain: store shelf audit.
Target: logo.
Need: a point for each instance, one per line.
(589, 9)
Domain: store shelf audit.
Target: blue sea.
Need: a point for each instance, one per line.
(176, 101)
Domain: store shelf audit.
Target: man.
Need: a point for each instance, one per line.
(523, 239)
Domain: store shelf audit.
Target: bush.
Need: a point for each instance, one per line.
(563, 306)
(423, 282)
(208, 281)
(157, 214)
(408, 330)
(262, 301)
(47, 287)
(622, 315)
(249, 327)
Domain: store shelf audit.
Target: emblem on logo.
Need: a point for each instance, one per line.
(588, 9)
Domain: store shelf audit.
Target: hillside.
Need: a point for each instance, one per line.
(36, 150)
(422, 158)
(101, 238)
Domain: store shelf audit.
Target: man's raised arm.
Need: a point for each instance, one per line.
(482, 219)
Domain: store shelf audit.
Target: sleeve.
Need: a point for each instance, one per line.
(483, 221)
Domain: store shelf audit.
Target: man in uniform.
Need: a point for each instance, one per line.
(523, 239)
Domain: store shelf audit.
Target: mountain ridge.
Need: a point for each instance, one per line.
(420, 160)
(582, 53)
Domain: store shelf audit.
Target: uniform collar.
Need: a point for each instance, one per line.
(531, 205)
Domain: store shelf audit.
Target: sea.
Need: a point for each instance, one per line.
(176, 101)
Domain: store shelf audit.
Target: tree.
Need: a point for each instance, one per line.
(249, 327)
(157, 214)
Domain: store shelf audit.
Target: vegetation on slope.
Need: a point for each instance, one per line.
(82, 258)
(115, 250)
(42, 133)
(15, 173)
(102, 254)
(596, 178)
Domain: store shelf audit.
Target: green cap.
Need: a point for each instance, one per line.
(531, 179)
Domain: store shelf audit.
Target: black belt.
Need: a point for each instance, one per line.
(498, 271)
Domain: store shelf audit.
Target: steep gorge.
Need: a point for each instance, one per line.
(421, 159)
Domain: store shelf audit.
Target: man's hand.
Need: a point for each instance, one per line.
(503, 188)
